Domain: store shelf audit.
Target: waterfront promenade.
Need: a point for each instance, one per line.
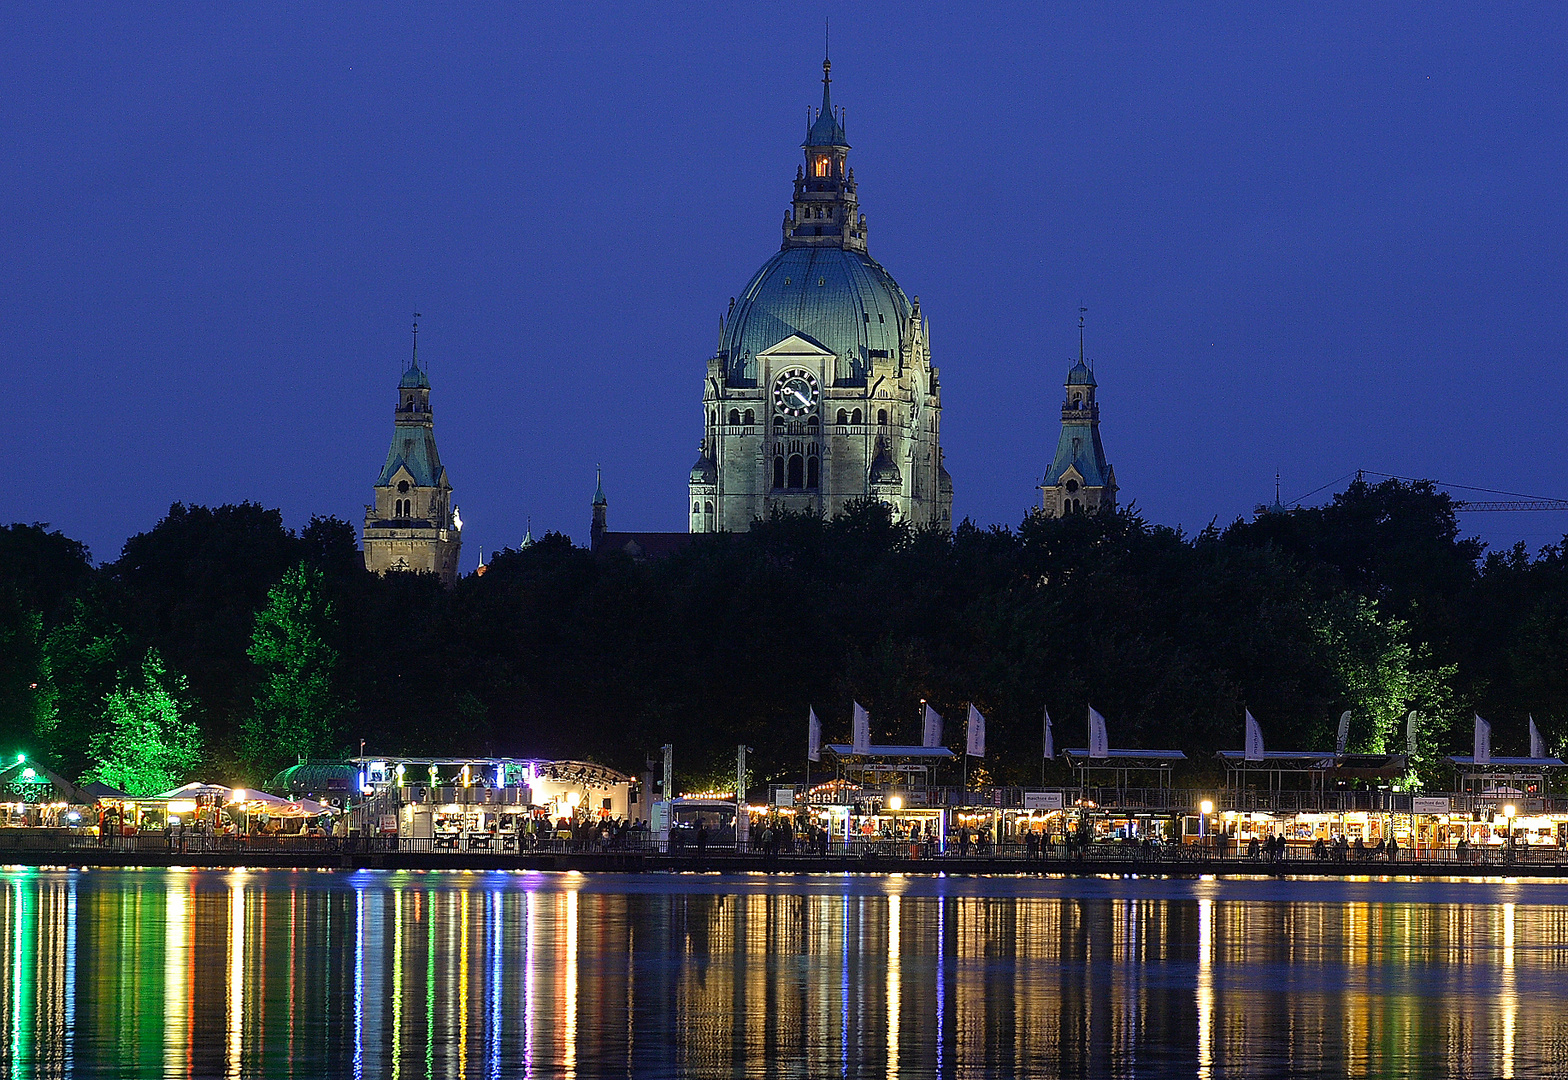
(1096, 860)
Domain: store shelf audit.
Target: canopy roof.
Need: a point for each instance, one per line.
(1280, 759)
(1511, 764)
(940, 753)
(1122, 758)
(24, 781)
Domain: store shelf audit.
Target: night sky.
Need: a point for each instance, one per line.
(1313, 241)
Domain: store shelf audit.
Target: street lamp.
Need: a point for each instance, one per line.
(1207, 807)
(1508, 812)
(895, 802)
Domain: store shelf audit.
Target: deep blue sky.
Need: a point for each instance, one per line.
(1310, 241)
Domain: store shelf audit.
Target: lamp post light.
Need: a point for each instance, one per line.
(1508, 813)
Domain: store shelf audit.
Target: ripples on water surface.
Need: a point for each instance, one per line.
(283, 974)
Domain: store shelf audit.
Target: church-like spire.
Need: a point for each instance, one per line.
(826, 210)
(827, 131)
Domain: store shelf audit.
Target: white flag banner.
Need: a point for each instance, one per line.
(1410, 735)
(1483, 742)
(1254, 739)
(931, 733)
(861, 736)
(1343, 738)
(975, 745)
(1099, 744)
(1050, 738)
(813, 737)
(1537, 744)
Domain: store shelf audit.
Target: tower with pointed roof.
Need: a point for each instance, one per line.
(412, 524)
(821, 391)
(1080, 480)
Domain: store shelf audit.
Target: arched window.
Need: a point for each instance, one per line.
(854, 417)
(778, 423)
(778, 472)
(843, 417)
(812, 421)
(713, 418)
(881, 416)
(734, 416)
(797, 468)
(696, 507)
(813, 473)
(1077, 402)
(402, 487)
(1072, 485)
(751, 417)
(708, 508)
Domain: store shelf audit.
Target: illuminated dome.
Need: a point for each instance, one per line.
(839, 299)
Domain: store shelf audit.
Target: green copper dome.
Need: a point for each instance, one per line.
(841, 300)
(416, 378)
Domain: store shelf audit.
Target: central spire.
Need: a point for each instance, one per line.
(826, 211)
(827, 131)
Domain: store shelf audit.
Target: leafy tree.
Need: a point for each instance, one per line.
(296, 711)
(150, 743)
(45, 569)
(27, 707)
(191, 587)
(87, 655)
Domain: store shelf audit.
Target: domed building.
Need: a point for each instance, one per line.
(822, 389)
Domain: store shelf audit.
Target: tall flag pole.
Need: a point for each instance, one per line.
(1483, 741)
(975, 745)
(931, 728)
(1254, 739)
(1047, 744)
(1099, 742)
(813, 746)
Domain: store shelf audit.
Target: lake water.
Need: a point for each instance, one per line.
(284, 974)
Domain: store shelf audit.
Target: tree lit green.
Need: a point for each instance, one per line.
(149, 742)
(296, 712)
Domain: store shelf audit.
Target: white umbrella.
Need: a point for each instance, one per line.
(252, 798)
(193, 790)
(311, 808)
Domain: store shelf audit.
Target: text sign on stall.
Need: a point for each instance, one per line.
(1042, 800)
(1428, 805)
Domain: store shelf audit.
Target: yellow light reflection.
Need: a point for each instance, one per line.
(893, 988)
(234, 1062)
(1508, 994)
(1205, 988)
(569, 1054)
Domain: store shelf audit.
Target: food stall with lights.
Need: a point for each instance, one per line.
(34, 800)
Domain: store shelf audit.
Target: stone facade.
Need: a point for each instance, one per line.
(412, 524)
(822, 389)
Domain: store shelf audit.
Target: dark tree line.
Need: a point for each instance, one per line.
(277, 644)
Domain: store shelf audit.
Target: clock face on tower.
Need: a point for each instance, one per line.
(795, 392)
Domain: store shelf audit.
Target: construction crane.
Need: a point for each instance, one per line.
(1517, 502)
(1465, 506)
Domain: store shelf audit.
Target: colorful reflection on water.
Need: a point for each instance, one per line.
(283, 974)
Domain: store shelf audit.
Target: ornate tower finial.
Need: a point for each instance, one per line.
(1081, 312)
(415, 361)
